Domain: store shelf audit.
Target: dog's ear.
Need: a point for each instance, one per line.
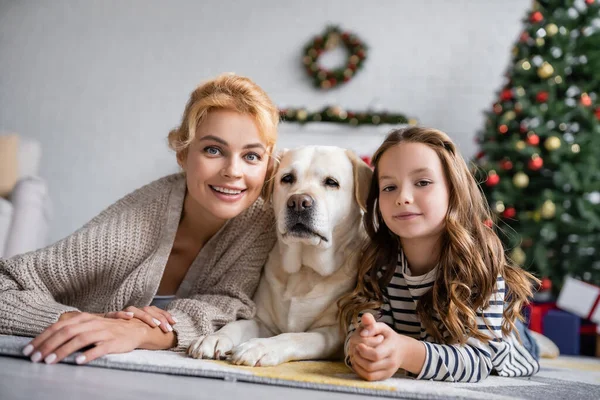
(362, 179)
(267, 189)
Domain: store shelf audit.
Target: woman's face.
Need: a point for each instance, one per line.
(226, 164)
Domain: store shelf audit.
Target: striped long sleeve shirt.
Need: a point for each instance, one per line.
(470, 362)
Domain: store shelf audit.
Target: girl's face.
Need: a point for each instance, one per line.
(226, 164)
(413, 193)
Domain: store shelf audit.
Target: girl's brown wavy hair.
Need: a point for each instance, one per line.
(471, 256)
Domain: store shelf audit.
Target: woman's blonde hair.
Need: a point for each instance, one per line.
(471, 256)
(226, 92)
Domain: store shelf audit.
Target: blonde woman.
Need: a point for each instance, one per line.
(175, 259)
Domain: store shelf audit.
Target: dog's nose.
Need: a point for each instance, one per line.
(300, 202)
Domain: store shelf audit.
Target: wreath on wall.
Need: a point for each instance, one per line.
(330, 39)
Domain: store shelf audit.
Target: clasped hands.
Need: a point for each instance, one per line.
(375, 349)
(113, 332)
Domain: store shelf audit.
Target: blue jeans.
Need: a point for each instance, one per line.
(528, 341)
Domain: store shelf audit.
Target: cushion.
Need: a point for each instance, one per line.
(9, 173)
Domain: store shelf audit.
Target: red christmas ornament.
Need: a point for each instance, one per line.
(524, 37)
(510, 212)
(535, 163)
(546, 284)
(503, 129)
(480, 155)
(536, 17)
(493, 180)
(589, 2)
(533, 139)
(506, 95)
(542, 97)
(598, 113)
(586, 100)
(506, 165)
(488, 222)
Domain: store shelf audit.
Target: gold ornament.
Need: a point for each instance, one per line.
(575, 148)
(322, 75)
(520, 145)
(552, 143)
(558, 80)
(515, 51)
(545, 71)
(307, 60)
(525, 65)
(348, 73)
(301, 115)
(520, 91)
(325, 84)
(548, 209)
(335, 110)
(518, 256)
(509, 115)
(551, 30)
(520, 180)
(540, 42)
(412, 122)
(500, 206)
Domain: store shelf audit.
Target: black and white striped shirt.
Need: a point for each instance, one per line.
(470, 362)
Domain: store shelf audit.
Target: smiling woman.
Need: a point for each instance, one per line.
(171, 261)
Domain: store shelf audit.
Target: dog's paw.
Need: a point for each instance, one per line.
(257, 353)
(214, 347)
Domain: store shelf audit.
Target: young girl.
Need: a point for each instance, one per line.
(169, 262)
(448, 300)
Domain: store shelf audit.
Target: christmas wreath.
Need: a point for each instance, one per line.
(333, 37)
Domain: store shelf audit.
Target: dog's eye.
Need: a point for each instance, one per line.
(332, 183)
(287, 178)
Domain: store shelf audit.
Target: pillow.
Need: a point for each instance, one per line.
(9, 173)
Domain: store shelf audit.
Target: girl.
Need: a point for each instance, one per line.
(448, 299)
(193, 243)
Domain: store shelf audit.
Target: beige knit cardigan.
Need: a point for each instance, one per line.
(118, 258)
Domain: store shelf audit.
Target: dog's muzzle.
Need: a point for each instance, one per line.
(300, 216)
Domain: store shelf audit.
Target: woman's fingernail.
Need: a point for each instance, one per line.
(364, 332)
(80, 359)
(50, 358)
(169, 328)
(174, 319)
(27, 350)
(157, 322)
(37, 356)
(128, 313)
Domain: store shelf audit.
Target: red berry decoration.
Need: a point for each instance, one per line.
(535, 163)
(542, 97)
(506, 95)
(586, 100)
(533, 139)
(536, 17)
(510, 212)
(524, 36)
(480, 155)
(493, 180)
(598, 113)
(503, 129)
(506, 165)
(589, 2)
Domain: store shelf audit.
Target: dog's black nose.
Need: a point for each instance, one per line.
(300, 202)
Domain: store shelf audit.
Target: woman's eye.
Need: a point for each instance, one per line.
(331, 183)
(287, 178)
(213, 151)
(423, 183)
(253, 157)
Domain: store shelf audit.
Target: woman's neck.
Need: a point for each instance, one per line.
(422, 254)
(197, 221)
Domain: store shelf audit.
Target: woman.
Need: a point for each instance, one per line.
(193, 243)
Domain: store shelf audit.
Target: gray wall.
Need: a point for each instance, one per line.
(100, 83)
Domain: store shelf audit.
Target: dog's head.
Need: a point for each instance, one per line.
(314, 190)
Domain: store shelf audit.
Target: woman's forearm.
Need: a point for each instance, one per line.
(155, 338)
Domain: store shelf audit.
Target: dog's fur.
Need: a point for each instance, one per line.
(312, 265)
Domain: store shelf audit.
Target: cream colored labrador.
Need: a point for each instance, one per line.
(318, 195)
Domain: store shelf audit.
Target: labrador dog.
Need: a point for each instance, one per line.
(318, 194)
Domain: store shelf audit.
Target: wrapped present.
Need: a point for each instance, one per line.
(580, 298)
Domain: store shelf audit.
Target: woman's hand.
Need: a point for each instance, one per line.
(79, 330)
(379, 361)
(151, 315)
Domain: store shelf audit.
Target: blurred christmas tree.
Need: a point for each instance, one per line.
(540, 149)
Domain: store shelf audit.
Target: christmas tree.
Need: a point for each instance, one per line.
(539, 162)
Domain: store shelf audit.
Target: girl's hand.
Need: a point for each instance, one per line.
(361, 336)
(81, 330)
(151, 315)
(382, 361)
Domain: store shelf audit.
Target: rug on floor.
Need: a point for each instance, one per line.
(561, 378)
